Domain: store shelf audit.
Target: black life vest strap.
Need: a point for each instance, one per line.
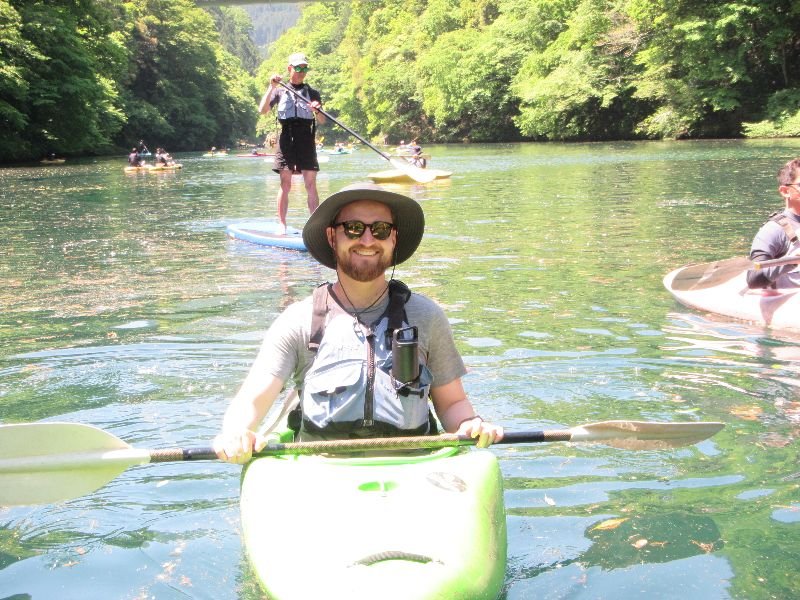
(784, 221)
(320, 301)
(399, 294)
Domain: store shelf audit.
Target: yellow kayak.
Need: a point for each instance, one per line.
(152, 169)
(398, 176)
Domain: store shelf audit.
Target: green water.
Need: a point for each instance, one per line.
(125, 306)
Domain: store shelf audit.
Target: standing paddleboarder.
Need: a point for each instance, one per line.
(296, 151)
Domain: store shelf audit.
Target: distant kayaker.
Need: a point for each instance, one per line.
(134, 160)
(416, 155)
(778, 236)
(296, 151)
(163, 158)
(335, 346)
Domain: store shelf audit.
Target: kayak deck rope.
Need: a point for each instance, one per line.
(393, 555)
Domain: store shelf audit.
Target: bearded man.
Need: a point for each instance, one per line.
(336, 345)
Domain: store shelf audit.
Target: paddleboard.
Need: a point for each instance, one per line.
(417, 527)
(777, 309)
(153, 169)
(256, 155)
(266, 233)
(398, 176)
(164, 168)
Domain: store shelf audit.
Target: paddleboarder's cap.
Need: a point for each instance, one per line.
(407, 214)
(297, 59)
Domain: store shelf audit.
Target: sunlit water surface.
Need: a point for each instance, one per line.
(125, 306)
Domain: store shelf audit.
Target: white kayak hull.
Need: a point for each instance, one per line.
(777, 309)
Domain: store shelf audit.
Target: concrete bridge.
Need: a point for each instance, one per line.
(242, 2)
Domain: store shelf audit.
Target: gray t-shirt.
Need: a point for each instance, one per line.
(771, 242)
(285, 346)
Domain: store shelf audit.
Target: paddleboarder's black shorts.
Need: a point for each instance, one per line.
(296, 147)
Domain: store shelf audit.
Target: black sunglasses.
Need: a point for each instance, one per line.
(355, 229)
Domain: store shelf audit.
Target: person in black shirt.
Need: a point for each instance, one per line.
(778, 237)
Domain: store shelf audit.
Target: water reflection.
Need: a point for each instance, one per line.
(751, 350)
(125, 306)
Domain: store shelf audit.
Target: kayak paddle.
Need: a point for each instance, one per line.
(50, 462)
(706, 275)
(414, 172)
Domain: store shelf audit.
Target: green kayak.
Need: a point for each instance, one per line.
(416, 527)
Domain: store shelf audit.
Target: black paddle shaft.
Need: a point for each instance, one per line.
(358, 445)
(182, 454)
(535, 437)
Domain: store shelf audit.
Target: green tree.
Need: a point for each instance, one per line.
(579, 85)
(707, 66)
(464, 82)
(185, 91)
(16, 53)
(58, 89)
(236, 35)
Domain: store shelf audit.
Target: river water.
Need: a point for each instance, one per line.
(124, 306)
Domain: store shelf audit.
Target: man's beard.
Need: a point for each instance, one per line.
(366, 271)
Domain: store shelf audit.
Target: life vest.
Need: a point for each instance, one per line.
(349, 391)
(291, 107)
(791, 277)
(782, 219)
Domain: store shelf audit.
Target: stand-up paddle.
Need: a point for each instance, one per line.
(415, 173)
(50, 462)
(706, 275)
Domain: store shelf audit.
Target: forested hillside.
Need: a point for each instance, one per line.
(95, 76)
(271, 20)
(491, 70)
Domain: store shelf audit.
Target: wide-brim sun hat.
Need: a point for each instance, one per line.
(409, 221)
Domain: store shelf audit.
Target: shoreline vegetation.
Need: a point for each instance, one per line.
(92, 77)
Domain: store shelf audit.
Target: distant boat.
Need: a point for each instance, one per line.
(339, 150)
(154, 168)
(398, 176)
(53, 161)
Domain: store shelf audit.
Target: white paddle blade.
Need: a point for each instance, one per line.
(643, 435)
(50, 462)
(417, 174)
(706, 275)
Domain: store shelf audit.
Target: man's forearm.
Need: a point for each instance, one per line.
(266, 101)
